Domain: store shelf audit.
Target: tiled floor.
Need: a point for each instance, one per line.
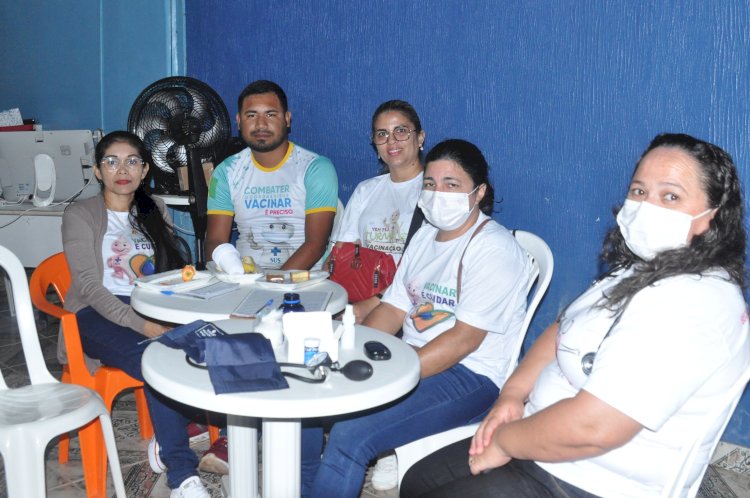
(727, 477)
(66, 481)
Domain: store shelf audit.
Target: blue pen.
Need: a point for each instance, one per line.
(167, 292)
(268, 303)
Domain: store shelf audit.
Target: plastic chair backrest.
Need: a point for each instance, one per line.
(337, 218)
(32, 351)
(723, 410)
(543, 264)
(53, 273)
(336, 223)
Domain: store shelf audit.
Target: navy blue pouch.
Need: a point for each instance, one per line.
(191, 338)
(243, 363)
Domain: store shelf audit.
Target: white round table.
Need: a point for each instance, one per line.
(182, 309)
(281, 411)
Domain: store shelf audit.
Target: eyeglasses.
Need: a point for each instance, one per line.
(113, 163)
(400, 133)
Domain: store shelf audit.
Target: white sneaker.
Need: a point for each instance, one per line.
(385, 473)
(154, 460)
(192, 487)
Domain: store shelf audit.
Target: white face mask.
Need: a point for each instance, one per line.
(446, 210)
(649, 229)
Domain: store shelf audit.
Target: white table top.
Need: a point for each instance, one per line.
(169, 373)
(182, 309)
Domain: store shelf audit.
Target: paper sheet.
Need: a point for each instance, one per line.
(11, 117)
(311, 300)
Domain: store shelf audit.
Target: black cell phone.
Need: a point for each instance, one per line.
(377, 351)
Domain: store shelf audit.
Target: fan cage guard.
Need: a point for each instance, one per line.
(179, 117)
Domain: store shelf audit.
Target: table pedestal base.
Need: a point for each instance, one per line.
(243, 456)
(281, 458)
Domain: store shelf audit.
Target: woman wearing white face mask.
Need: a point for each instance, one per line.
(609, 395)
(459, 294)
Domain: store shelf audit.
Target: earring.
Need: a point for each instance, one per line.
(421, 147)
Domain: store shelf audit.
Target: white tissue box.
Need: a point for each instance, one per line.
(299, 326)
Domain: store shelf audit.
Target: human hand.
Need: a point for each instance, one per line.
(507, 408)
(492, 457)
(154, 329)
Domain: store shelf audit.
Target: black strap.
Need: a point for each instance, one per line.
(416, 221)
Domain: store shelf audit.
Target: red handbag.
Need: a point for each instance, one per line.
(362, 272)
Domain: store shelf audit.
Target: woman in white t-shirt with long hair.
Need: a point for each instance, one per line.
(109, 240)
(379, 212)
(608, 396)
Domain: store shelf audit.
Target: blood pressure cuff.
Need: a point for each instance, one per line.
(243, 363)
(191, 338)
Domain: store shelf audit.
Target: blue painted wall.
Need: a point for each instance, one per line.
(561, 95)
(50, 62)
(80, 65)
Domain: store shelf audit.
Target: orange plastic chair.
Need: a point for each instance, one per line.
(107, 381)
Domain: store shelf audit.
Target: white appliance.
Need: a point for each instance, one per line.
(25, 169)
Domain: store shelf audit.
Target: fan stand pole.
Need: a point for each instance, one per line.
(198, 206)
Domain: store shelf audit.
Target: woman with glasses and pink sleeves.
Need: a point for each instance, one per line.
(110, 240)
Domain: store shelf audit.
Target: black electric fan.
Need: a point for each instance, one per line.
(183, 123)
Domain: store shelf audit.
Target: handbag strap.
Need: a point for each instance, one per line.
(416, 221)
(461, 261)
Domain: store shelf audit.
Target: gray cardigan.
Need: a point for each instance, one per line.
(84, 224)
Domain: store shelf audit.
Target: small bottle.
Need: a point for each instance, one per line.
(347, 337)
(312, 346)
(291, 303)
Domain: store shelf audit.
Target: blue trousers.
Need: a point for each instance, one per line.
(449, 399)
(117, 346)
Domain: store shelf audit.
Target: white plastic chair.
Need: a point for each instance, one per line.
(31, 416)
(543, 264)
(336, 223)
(677, 486)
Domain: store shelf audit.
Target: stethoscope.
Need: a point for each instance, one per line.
(318, 366)
(587, 360)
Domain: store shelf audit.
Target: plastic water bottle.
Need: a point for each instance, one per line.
(347, 337)
(291, 303)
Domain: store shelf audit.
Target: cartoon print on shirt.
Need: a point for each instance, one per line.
(251, 240)
(277, 249)
(414, 289)
(393, 226)
(424, 315)
(121, 247)
(141, 265)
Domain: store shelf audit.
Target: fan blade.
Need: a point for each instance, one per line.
(173, 100)
(160, 147)
(147, 122)
(200, 106)
(177, 155)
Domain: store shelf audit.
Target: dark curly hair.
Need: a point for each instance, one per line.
(144, 214)
(470, 158)
(721, 246)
